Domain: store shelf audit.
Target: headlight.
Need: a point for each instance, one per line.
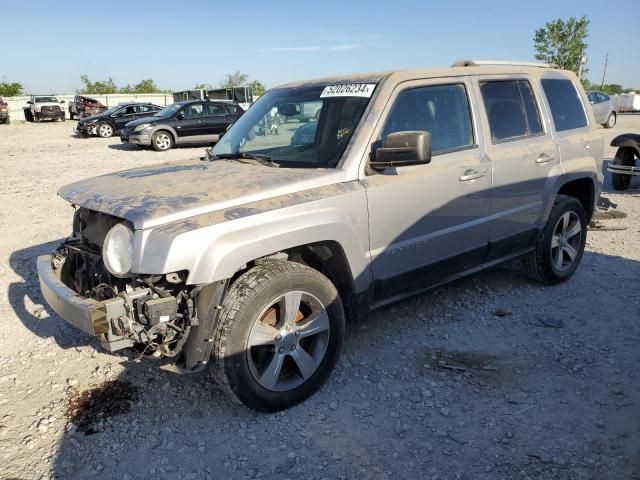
(117, 250)
(139, 128)
(91, 122)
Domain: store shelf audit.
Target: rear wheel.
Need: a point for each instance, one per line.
(560, 244)
(162, 141)
(624, 156)
(611, 121)
(104, 130)
(70, 115)
(278, 336)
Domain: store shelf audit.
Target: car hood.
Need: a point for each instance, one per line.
(90, 119)
(156, 195)
(149, 119)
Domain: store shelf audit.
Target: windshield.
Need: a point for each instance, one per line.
(111, 110)
(46, 100)
(298, 127)
(169, 111)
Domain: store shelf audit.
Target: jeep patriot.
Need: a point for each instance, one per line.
(250, 260)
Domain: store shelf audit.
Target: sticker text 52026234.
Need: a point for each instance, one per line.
(348, 90)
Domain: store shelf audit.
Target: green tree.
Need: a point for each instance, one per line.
(236, 79)
(258, 88)
(563, 43)
(612, 88)
(147, 86)
(97, 88)
(10, 89)
(203, 86)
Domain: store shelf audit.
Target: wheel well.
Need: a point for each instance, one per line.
(326, 257)
(173, 137)
(582, 190)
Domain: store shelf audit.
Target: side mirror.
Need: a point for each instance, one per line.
(180, 116)
(62, 101)
(289, 109)
(402, 149)
(29, 102)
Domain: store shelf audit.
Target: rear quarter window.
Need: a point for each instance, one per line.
(566, 107)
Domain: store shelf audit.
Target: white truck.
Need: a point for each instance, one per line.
(44, 107)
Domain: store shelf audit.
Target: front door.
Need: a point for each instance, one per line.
(429, 222)
(124, 116)
(189, 121)
(524, 158)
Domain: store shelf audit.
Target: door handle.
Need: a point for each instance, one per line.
(544, 158)
(470, 174)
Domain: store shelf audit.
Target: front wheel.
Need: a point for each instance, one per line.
(161, 141)
(560, 244)
(104, 130)
(278, 336)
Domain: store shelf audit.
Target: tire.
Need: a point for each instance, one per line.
(624, 156)
(7, 121)
(161, 141)
(611, 121)
(253, 338)
(104, 130)
(553, 265)
(70, 115)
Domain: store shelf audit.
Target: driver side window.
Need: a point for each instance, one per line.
(442, 110)
(192, 111)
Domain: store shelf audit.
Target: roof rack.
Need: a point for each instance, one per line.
(478, 63)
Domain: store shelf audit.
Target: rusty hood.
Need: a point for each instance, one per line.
(159, 194)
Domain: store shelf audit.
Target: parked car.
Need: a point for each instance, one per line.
(251, 260)
(45, 107)
(182, 123)
(84, 107)
(113, 120)
(4, 112)
(603, 109)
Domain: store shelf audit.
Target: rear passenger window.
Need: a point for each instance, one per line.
(511, 108)
(565, 104)
(442, 110)
(214, 109)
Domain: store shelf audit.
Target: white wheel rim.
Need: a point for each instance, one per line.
(612, 120)
(163, 142)
(105, 130)
(566, 241)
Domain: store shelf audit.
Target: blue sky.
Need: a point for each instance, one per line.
(181, 43)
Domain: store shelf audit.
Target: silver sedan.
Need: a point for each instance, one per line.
(603, 109)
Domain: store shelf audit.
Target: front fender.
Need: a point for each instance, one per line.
(631, 140)
(214, 247)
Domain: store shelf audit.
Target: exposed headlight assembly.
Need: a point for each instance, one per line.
(117, 250)
(141, 127)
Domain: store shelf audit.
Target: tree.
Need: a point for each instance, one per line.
(258, 88)
(99, 88)
(563, 43)
(10, 89)
(203, 86)
(612, 88)
(236, 79)
(147, 86)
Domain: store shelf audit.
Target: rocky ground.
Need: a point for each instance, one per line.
(493, 377)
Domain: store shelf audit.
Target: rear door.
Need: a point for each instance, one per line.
(523, 156)
(215, 120)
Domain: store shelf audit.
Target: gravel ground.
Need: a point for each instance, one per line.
(493, 377)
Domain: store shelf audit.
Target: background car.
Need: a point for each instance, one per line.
(603, 109)
(114, 119)
(44, 107)
(82, 106)
(4, 112)
(194, 121)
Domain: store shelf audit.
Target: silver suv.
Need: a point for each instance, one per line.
(251, 259)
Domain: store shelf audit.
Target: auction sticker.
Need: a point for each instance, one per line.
(348, 90)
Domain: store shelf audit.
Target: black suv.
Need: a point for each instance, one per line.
(194, 121)
(113, 120)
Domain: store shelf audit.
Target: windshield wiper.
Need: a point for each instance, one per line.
(262, 159)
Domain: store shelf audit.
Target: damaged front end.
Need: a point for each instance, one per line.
(154, 314)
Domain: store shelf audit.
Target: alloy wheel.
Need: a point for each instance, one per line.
(163, 141)
(566, 240)
(288, 341)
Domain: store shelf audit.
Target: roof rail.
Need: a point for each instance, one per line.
(478, 63)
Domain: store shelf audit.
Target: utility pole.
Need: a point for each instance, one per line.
(606, 60)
